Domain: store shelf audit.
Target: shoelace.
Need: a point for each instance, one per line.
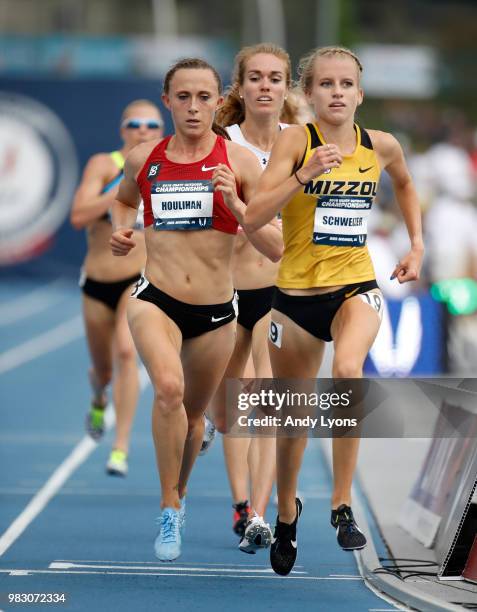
(260, 520)
(347, 521)
(169, 524)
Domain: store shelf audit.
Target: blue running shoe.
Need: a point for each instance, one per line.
(182, 517)
(167, 545)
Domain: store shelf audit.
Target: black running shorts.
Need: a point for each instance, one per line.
(315, 313)
(253, 304)
(192, 320)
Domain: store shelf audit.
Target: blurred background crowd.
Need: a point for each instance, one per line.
(68, 67)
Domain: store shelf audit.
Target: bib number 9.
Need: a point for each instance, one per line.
(375, 300)
(275, 334)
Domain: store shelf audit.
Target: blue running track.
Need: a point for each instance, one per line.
(93, 540)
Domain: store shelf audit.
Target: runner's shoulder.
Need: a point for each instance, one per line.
(293, 138)
(383, 142)
(238, 154)
(101, 164)
(138, 155)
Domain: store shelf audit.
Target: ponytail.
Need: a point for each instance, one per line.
(233, 109)
(220, 131)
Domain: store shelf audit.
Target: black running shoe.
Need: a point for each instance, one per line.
(349, 536)
(283, 549)
(240, 519)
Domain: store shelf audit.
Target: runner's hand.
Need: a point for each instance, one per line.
(223, 180)
(324, 158)
(121, 242)
(409, 267)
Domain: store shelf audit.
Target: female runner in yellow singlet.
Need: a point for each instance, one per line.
(323, 178)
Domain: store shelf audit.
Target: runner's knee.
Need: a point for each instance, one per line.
(125, 354)
(168, 395)
(347, 367)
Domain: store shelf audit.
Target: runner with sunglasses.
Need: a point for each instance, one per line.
(194, 185)
(106, 283)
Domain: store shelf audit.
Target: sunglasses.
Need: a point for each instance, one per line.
(135, 124)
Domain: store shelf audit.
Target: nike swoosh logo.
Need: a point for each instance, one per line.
(321, 238)
(208, 169)
(215, 319)
(365, 169)
(348, 295)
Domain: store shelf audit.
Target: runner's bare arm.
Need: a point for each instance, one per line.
(246, 170)
(279, 182)
(126, 205)
(89, 204)
(391, 155)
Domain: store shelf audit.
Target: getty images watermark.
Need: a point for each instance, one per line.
(372, 408)
(282, 402)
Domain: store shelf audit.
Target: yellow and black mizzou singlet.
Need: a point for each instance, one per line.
(325, 223)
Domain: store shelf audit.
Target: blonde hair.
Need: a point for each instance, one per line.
(307, 64)
(139, 102)
(233, 109)
(304, 111)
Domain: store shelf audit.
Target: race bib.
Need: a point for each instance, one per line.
(341, 221)
(182, 205)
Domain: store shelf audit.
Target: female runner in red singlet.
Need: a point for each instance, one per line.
(193, 185)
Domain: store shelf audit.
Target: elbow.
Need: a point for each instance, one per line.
(76, 221)
(277, 254)
(247, 227)
(250, 224)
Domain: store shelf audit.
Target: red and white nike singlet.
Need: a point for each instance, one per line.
(181, 196)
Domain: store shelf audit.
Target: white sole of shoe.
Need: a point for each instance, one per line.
(249, 542)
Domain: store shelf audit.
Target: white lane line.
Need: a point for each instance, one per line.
(25, 572)
(344, 576)
(40, 345)
(78, 455)
(237, 570)
(30, 303)
(82, 492)
(176, 564)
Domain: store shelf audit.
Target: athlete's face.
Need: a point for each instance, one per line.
(265, 84)
(335, 92)
(193, 98)
(141, 123)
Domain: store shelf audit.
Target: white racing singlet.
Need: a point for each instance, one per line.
(236, 135)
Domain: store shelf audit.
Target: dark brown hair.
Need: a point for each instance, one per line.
(198, 64)
(188, 63)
